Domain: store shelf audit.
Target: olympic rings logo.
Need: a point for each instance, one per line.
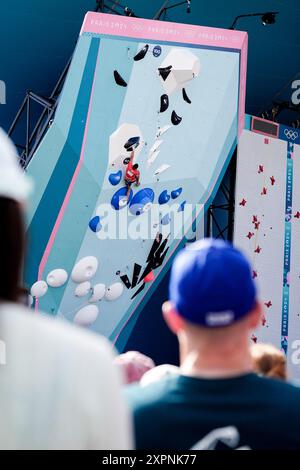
(291, 134)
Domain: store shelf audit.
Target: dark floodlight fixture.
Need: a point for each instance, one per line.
(129, 12)
(267, 18)
(113, 6)
(163, 10)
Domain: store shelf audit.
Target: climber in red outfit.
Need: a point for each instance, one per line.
(132, 174)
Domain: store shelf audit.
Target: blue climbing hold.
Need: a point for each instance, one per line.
(182, 206)
(176, 193)
(115, 178)
(166, 219)
(164, 197)
(141, 201)
(119, 200)
(95, 224)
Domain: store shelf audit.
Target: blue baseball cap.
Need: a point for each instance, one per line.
(211, 284)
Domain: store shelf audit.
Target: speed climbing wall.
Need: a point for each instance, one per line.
(267, 228)
(171, 95)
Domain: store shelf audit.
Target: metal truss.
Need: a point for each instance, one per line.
(31, 124)
(220, 215)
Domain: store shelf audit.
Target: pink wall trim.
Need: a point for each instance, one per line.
(102, 23)
(243, 78)
(70, 189)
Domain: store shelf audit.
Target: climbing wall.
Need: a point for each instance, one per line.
(172, 96)
(267, 228)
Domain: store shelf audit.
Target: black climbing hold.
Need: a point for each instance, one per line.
(125, 281)
(160, 261)
(141, 54)
(147, 270)
(175, 119)
(164, 72)
(164, 103)
(185, 96)
(118, 273)
(118, 79)
(126, 161)
(131, 143)
(136, 272)
(138, 291)
(161, 248)
(155, 245)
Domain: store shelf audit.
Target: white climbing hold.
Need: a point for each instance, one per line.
(117, 140)
(98, 292)
(161, 169)
(155, 147)
(86, 315)
(114, 291)
(153, 157)
(57, 278)
(38, 289)
(83, 289)
(85, 269)
(162, 130)
(185, 67)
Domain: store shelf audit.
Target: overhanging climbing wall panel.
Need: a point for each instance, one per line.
(174, 96)
(267, 224)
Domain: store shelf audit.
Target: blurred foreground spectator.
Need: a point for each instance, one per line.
(133, 366)
(58, 386)
(217, 401)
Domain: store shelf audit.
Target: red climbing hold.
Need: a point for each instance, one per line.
(250, 235)
(254, 338)
(297, 215)
(264, 191)
(243, 202)
(254, 274)
(260, 169)
(258, 249)
(272, 180)
(149, 277)
(268, 304)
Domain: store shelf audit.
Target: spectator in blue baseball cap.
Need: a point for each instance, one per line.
(217, 401)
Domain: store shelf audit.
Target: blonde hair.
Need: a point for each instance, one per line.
(269, 361)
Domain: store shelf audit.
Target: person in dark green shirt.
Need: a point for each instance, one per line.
(216, 401)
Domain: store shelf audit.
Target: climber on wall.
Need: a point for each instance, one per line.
(132, 174)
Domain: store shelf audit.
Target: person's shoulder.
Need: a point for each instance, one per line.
(151, 395)
(278, 391)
